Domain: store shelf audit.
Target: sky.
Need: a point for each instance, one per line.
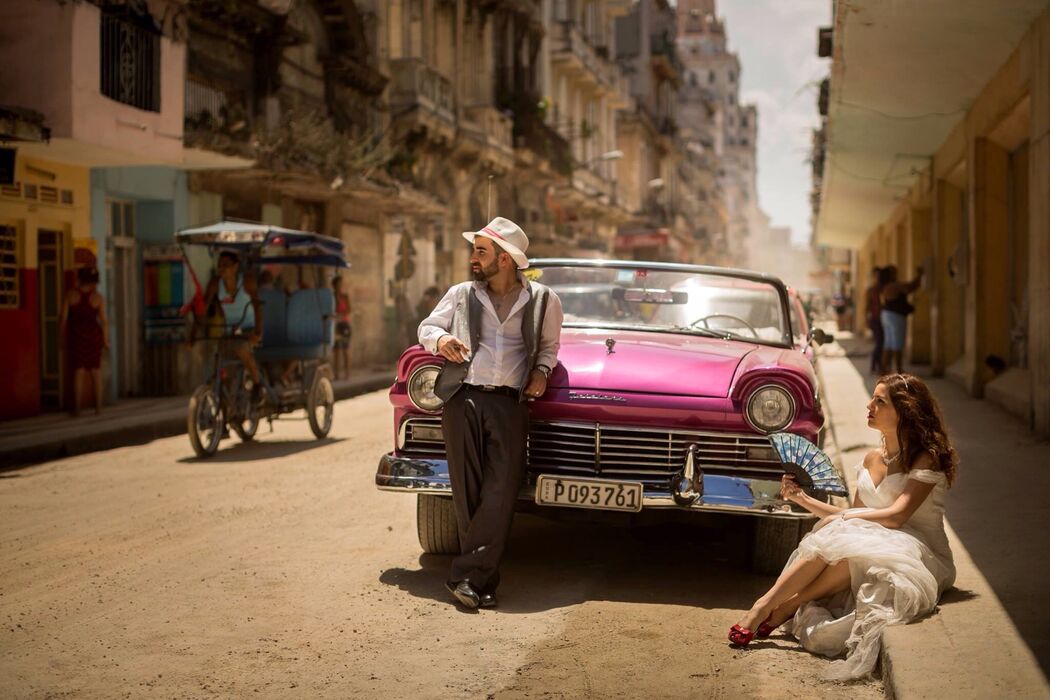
(776, 41)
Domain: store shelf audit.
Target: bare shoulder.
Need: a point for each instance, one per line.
(872, 457)
(924, 461)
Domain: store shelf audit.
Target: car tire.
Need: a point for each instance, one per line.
(774, 541)
(436, 524)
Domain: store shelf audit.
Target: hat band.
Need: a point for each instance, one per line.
(486, 229)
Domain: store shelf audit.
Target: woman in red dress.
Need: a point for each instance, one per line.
(85, 332)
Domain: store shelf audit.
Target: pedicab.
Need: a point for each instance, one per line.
(292, 354)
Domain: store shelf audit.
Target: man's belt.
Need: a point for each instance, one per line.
(496, 389)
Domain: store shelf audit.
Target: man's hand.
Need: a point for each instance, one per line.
(452, 349)
(254, 338)
(537, 384)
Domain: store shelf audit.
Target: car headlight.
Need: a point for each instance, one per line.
(770, 408)
(421, 389)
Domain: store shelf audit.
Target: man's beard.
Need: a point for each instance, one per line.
(484, 274)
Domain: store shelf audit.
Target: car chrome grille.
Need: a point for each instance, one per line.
(623, 452)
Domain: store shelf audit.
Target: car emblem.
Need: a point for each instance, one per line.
(609, 345)
(577, 395)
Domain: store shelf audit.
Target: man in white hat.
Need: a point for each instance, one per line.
(499, 336)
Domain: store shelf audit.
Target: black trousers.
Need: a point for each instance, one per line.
(485, 443)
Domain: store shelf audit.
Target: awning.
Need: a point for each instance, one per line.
(902, 76)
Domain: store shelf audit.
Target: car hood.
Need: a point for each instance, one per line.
(646, 362)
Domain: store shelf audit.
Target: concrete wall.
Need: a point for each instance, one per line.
(50, 53)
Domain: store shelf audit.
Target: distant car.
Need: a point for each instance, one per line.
(670, 380)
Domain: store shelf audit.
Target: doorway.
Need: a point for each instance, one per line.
(51, 289)
(123, 292)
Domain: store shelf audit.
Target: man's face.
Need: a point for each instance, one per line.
(484, 262)
(226, 264)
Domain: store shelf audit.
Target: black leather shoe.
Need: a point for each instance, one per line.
(487, 600)
(465, 594)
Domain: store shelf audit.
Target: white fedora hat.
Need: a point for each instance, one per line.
(508, 235)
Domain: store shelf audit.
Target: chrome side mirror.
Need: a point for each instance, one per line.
(820, 337)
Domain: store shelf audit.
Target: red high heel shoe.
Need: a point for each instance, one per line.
(765, 629)
(740, 636)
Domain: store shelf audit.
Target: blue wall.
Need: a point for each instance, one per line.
(161, 208)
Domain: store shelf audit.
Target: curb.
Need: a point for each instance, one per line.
(166, 423)
(969, 647)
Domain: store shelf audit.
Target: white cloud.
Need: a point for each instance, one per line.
(777, 44)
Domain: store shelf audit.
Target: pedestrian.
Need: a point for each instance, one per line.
(873, 311)
(427, 303)
(85, 333)
(499, 336)
(343, 329)
(885, 560)
(894, 316)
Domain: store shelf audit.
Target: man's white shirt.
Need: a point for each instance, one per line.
(500, 358)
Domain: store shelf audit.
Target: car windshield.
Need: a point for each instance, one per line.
(668, 301)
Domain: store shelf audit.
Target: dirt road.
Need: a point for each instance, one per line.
(276, 568)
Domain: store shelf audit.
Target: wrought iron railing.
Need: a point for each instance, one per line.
(130, 61)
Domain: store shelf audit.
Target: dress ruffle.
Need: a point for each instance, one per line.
(892, 578)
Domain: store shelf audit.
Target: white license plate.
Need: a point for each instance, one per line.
(589, 493)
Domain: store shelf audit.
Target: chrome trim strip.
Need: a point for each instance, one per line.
(722, 493)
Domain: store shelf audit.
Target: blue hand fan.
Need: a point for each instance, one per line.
(810, 466)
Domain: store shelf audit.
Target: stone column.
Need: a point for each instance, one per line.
(987, 294)
(1039, 228)
(918, 249)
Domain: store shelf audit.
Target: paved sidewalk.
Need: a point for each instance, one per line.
(129, 422)
(990, 633)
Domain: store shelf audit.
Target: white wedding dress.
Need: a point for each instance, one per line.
(896, 575)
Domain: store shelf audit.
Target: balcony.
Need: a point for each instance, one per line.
(571, 51)
(486, 133)
(421, 98)
(119, 102)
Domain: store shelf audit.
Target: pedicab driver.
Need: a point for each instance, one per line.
(499, 335)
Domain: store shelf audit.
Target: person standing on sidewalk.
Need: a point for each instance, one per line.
(343, 329)
(883, 561)
(894, 316)
(85, 332)
(499, 336)
(873, 312)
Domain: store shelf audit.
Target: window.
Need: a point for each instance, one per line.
(130, 58)
(711, 76)
(9, 247)
(732, 77)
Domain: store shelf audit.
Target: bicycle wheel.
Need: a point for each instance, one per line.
(205, 421)
(248, 425)
(320, 404)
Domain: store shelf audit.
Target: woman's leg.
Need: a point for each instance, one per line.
(79, 376)
(792, 581)
(96, 387)
(831, 580)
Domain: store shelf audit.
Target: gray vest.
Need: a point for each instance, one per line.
(466, 325)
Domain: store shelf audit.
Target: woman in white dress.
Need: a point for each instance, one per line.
(883, 561)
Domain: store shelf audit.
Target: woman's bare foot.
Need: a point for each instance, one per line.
(754, 617)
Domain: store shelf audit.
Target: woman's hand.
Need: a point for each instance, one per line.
(790, 490)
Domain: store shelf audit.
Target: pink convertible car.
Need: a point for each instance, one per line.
(670, 380)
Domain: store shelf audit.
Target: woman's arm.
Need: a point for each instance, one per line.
(791, 491)
(897, 514)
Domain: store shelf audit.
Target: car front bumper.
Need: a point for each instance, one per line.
(719, 493)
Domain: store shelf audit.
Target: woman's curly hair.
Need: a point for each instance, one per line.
(920, 425)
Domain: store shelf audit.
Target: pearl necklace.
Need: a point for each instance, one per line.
(885, 455)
